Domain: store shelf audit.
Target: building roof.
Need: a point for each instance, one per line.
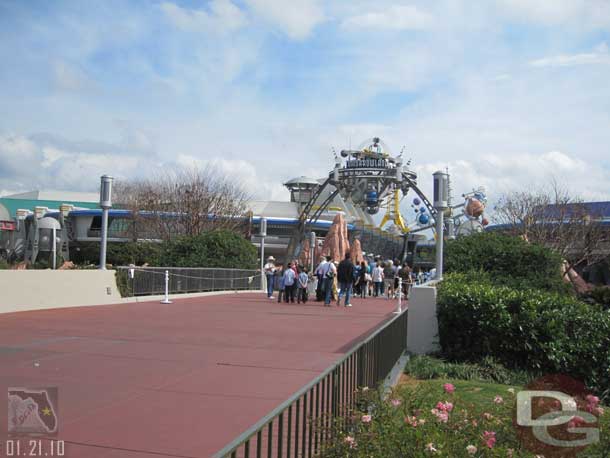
(57, 196)
(14, 204)
(302, 180)
(596, 210)
(274, 208)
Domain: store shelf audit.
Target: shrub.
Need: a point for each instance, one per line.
(118, 254)
(3, 264)
(488, 369)
(219, 248)
(599, 295)
(506, 260)
(524, 328)
(423, 420)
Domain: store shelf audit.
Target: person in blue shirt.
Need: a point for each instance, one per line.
(289, 284)
(303, 280)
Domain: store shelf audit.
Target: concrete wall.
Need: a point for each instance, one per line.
(44, 289)
(422, 328)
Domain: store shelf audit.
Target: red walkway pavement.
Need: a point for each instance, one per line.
(149, 380)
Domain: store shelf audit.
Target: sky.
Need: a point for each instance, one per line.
(508, 94)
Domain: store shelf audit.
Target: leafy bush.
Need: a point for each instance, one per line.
(422, 420)
(219, 248)
(118, 254)
(488, 369)
(506, 260)
(524, 328)
(3, 264)
(600, 295)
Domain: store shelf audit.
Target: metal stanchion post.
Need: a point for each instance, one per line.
(166, 300)
(399, 305)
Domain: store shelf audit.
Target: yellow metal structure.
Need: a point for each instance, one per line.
(393, 213)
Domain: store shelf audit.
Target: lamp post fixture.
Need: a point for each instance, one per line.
(441, 197)
(106, 204)
(312, 251)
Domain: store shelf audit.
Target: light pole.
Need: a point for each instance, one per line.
(106, 204)
(312, 251)
(263, 234)
(441, 196)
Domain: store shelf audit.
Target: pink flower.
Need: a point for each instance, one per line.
(441, 415)
(411, 421)
(498, 400)
(366, 418)
(576, 421)
(471, 449)
(396, 402)
(449, 388)
(599, 411)
(592, 399)
(488, 416)
(444, 406)
(490, 438)
(350, 441)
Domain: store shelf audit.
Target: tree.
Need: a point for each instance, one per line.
(553, 218)
(184, 202)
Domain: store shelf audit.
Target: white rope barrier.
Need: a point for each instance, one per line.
(249, 278)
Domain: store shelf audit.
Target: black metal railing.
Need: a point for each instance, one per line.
(303, 425)
(146, 281)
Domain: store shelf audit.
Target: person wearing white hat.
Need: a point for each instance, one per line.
(269, 269)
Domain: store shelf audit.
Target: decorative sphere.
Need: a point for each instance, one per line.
(422, 209)
(423, 218)
(474, 208)
(416, 201)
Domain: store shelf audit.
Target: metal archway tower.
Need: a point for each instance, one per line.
(366, 178)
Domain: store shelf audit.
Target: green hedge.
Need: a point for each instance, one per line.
(524, 328)
(507, 260)
(118, 254)
(219, 248)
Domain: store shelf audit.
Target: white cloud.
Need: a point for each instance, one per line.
(47, 162)
(599, 56)
(501, 173)
(242, 172)
(223, 16)
(397, 17)
(296, 18)
(583, 13)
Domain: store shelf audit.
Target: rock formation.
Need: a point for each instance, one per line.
(356, 252)
(336, 243)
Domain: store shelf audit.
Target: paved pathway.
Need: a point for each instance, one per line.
(182, 380)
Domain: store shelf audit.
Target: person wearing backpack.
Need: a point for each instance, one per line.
(345, 276)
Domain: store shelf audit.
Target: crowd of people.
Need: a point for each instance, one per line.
(331, 280)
